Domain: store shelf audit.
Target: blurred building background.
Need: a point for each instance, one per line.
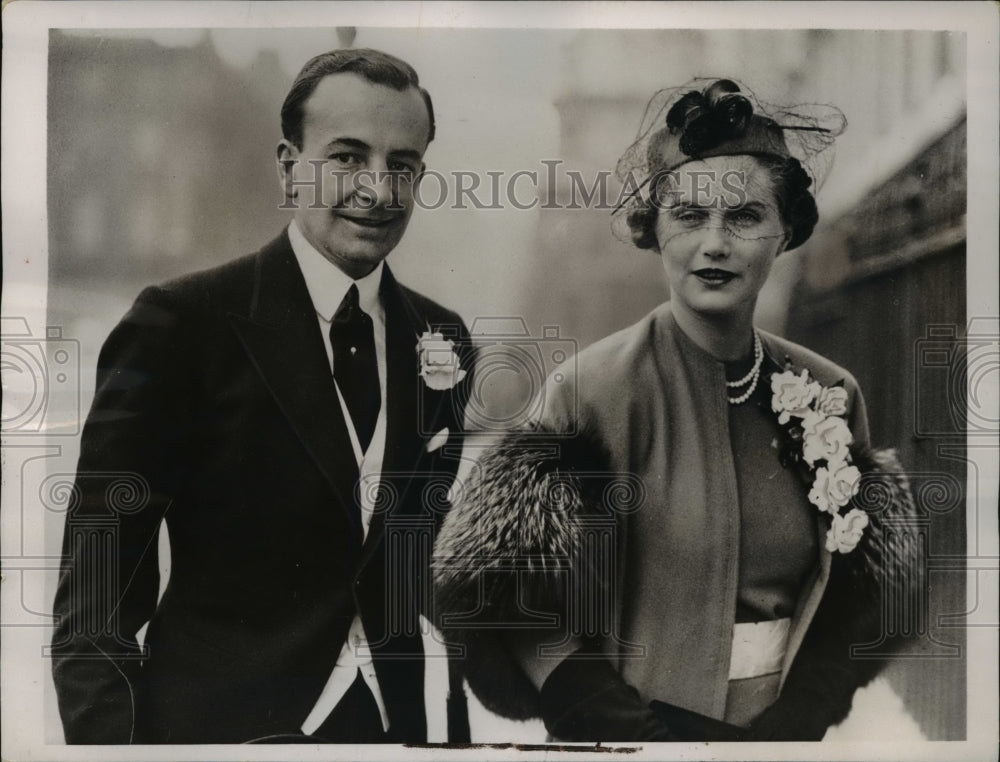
(161, 161)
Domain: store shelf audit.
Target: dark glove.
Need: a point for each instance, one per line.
(585, 699)
(817, 694)
(691, 726)
(787, 721)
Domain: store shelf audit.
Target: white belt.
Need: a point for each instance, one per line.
(758, 648)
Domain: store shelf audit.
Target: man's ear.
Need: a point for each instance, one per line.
(287, 156)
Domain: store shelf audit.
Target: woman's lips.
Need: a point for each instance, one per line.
(714, 277)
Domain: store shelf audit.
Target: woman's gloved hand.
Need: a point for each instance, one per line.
(585, 699)
(817, 694)
(692, 726)
(786, 721)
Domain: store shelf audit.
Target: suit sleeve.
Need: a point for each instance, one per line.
(124, 484)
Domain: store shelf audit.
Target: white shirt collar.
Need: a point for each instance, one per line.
(327, 283)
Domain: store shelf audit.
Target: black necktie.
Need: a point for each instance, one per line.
(354, 365)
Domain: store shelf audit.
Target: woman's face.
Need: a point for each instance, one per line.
(719, 231)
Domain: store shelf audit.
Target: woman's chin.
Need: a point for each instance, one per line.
(719, 307)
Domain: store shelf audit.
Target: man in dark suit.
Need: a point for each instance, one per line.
(253, 408)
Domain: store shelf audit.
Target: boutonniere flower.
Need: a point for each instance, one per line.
(818, 441)
(440, 367)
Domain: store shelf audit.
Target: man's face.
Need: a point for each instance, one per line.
(361, 155)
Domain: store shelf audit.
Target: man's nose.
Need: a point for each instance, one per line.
(375, 187)
(383, 187)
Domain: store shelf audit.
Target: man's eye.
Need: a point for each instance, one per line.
(402, 168)
(345, 159)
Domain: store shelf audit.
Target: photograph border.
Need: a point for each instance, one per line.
(25, 270)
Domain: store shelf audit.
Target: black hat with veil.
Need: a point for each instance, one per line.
(709, 117)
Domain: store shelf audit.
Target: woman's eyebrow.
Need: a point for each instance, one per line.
(755, 205)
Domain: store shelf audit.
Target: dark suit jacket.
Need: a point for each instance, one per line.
(216, 410)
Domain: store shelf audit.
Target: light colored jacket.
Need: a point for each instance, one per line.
(657, 403)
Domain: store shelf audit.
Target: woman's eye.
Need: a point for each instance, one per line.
(746, 217)
(689, 216)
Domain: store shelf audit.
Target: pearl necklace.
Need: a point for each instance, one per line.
(750, 378)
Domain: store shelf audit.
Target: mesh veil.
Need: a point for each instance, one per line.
(809, 131)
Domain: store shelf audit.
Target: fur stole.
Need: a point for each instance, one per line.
(511, 550)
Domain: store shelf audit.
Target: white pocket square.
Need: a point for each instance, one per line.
(438, 439)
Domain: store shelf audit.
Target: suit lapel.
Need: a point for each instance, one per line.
(282, 337)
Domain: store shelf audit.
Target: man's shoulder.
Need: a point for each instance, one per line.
(238, 274)
(428, 310)
(208, 281)
(225, 287)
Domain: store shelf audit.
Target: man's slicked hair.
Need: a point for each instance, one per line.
(375, 66)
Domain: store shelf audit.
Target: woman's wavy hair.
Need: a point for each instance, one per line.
(720, 118)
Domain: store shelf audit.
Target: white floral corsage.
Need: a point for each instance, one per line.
(819, 441)
(440, 367)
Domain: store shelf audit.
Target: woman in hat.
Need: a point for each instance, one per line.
(695, 533)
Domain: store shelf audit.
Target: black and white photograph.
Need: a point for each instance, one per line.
(500, 381)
